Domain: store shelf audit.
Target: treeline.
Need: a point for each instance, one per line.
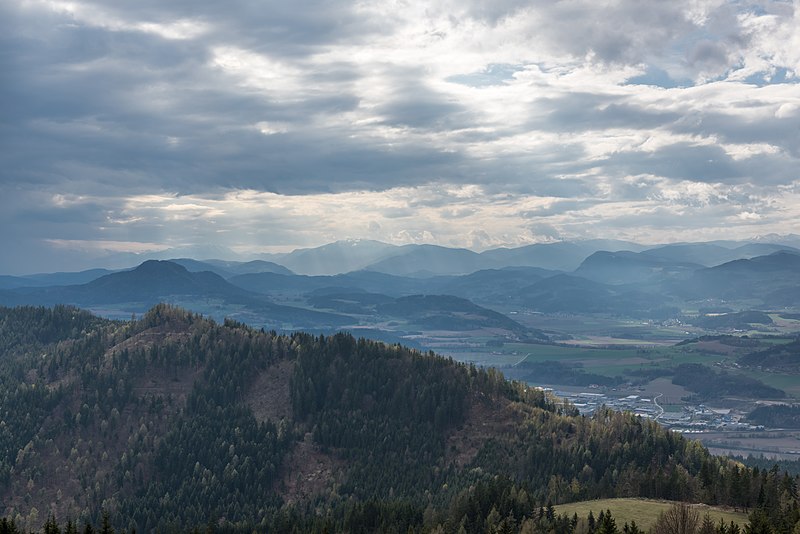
(739, 320)
(792, 467)
(776, 416)
(782, 357)
(214, 460)
(706, 383)
(553, 372)
(493, 507)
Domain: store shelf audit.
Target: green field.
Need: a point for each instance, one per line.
(611, 361)
(620, 360)
(645, 511)
(788, 383)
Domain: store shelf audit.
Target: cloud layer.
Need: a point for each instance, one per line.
(265, 125)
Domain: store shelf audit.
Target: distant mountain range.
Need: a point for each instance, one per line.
(156, 281)
(414, 288)
(328, 306)
(430, 260)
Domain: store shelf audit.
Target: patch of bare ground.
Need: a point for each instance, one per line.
(269, 396)
(486, 418)
(308, 472)
(153, 336)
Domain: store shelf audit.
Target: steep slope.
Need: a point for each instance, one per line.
(231, 423)
(421, 312)
(705, 254)
(52, 279)
(446, 312)
(626, 267)
(247, 267)
(561, 256)
(780, 358)
(712, 254)
(767, 280)
(573, 294)
(228, 269)
(151, 282)
(156, 281)
(430, 260)
(489, 285)
(195, 266)
(66, 279)
(335, 258)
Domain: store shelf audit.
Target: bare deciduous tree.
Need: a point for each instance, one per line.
(679, 519)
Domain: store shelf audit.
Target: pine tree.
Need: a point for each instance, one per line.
(606, 524)
(50, 526)
(106, 527)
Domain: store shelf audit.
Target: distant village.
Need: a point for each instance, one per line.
(691, 419)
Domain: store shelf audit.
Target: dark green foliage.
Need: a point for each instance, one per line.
(731, 341)
(385, 414)
(29, 326)
(216, 460)
(552, 372)
(789, 466)
(740, 320)
(573, 294)
(708, 383)
(387, 407)
(28, 338)
(446, 312)
(215, 463)
(776, 416)
(782, 358)
(50, 526)
(8, 526)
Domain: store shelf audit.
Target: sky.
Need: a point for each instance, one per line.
(263, 126)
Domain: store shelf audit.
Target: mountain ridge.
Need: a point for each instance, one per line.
(166, 405)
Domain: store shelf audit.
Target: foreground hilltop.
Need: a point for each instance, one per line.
(173, 421)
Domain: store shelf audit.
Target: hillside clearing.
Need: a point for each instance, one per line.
(645, 511)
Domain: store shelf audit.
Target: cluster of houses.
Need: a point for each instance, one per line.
(689, 419)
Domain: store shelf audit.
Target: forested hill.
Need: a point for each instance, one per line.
(174, 421)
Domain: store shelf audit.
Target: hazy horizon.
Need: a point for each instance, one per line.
(130, 260)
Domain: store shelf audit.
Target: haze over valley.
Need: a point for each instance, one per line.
(409, 267)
